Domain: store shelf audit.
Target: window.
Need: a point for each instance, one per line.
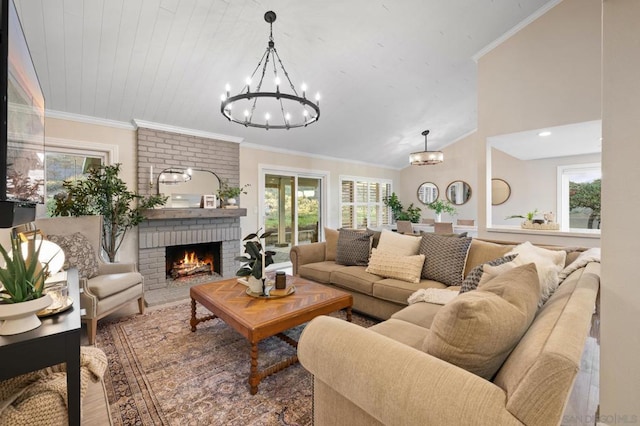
(579, 196)
(362, 202)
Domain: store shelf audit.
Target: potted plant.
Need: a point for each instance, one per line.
(439, 206)
(255, 260)
(530, 216)
(398, 211)
(23, 284)
(230, 193)
(104, 193)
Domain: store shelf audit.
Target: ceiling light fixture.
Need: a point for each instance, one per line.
(426, 157)
(280, 109)
(545, 133)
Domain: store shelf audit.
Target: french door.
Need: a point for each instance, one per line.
(292, 209)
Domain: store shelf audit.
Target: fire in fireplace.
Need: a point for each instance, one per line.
(193, 259)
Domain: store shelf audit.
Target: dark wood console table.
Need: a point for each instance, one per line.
(56, 341)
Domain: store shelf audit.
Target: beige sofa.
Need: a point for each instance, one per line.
(383, 376)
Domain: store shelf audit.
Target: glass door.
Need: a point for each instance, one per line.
(292, 211)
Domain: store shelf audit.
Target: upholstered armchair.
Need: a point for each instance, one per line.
(105, 287)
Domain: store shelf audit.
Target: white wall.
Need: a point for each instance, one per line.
(620, 292)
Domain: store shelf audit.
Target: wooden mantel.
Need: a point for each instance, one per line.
(191, 213)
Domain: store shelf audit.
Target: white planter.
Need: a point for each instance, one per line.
(21, 317)
(438, 217)
(231, 201)
(255, 285)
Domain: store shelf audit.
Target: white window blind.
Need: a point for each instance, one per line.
(361, 202)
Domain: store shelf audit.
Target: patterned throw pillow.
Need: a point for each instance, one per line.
(78, 253)
(353, 247)
(445, 258)
(473, 278)
(390, 265)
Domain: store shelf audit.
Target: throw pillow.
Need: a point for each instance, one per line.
(489, 272)
(78, 253)
(445, 258)
(404, 245)
(331, 245)
(376, 237)
(478, 330)
(391, 265)
(473, 278)
(548, 262)
(353, 247)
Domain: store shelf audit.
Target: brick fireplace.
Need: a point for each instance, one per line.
(168, 228)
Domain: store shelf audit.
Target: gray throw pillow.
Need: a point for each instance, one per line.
(353, 247)
(445, 258)
(473, 277)
(78, 253)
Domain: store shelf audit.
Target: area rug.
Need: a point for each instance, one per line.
(160, 373)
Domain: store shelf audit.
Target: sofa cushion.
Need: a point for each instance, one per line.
(354, 278)
(78, 253)
(398, 291)
(549, 264)
(420, 314)
(319, 271)
(391, 265)
(473, 278)
(478, 329)
(445, 258)
(353, 247)
(483, 251)
(399, 244)
(401, 331)
(107, 285)
(331, 246)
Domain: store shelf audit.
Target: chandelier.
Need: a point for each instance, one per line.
(278, 108)
(426, 157)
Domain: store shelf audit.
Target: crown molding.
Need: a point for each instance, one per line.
(185, 131)
(310, 155)
(61, 115)
(510, 33)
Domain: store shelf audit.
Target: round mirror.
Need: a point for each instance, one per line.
(500, 191)
(428, 192)
(458, 192)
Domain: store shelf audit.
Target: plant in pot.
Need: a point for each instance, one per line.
(229, 194)
(530, 216)
(22, 288)
(441, 206)
(104, 193)
(411, 213)
(255, 260)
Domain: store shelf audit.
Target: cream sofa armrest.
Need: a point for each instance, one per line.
(394, 383)
(306, 253)
(115, 268)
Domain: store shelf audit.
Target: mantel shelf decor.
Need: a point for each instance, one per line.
(280, 109)
(549, 226)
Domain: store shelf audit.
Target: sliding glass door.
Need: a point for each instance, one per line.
(293, 205)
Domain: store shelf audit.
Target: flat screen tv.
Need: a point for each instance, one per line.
(21, 124)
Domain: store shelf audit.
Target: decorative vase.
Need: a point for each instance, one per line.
(231, 201)
(439, 217)
(21, 317)
(255, 285)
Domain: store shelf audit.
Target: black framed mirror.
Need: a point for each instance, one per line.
(500, 191)
(458, 192)
(428, 192)
(185, 187)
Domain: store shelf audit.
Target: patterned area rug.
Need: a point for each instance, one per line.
(160, 373)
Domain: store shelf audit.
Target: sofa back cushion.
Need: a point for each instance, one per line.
(483, 251)
(477, 330)
(331, 246)
(445, 258)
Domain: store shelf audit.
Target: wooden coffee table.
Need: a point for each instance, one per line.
(256, 318)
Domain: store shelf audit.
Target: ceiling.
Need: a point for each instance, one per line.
(386, 70)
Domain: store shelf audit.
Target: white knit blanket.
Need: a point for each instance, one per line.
(439, 296)
(590, 255)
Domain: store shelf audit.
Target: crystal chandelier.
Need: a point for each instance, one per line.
(278, 108)
(426, 157)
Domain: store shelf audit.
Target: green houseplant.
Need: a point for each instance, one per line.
(252, 261)
(104, 193)
(442, 206)
(411, 213)
(23, 285)
(229, 193)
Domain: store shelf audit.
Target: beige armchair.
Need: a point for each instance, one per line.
(106, 289)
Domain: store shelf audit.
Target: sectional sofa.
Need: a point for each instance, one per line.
(489, 356)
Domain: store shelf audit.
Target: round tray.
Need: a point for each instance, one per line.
(290, 291)
(48, 312)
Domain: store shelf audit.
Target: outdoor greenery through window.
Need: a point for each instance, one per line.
(61, 166)
(580, 196)
(361, 202)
